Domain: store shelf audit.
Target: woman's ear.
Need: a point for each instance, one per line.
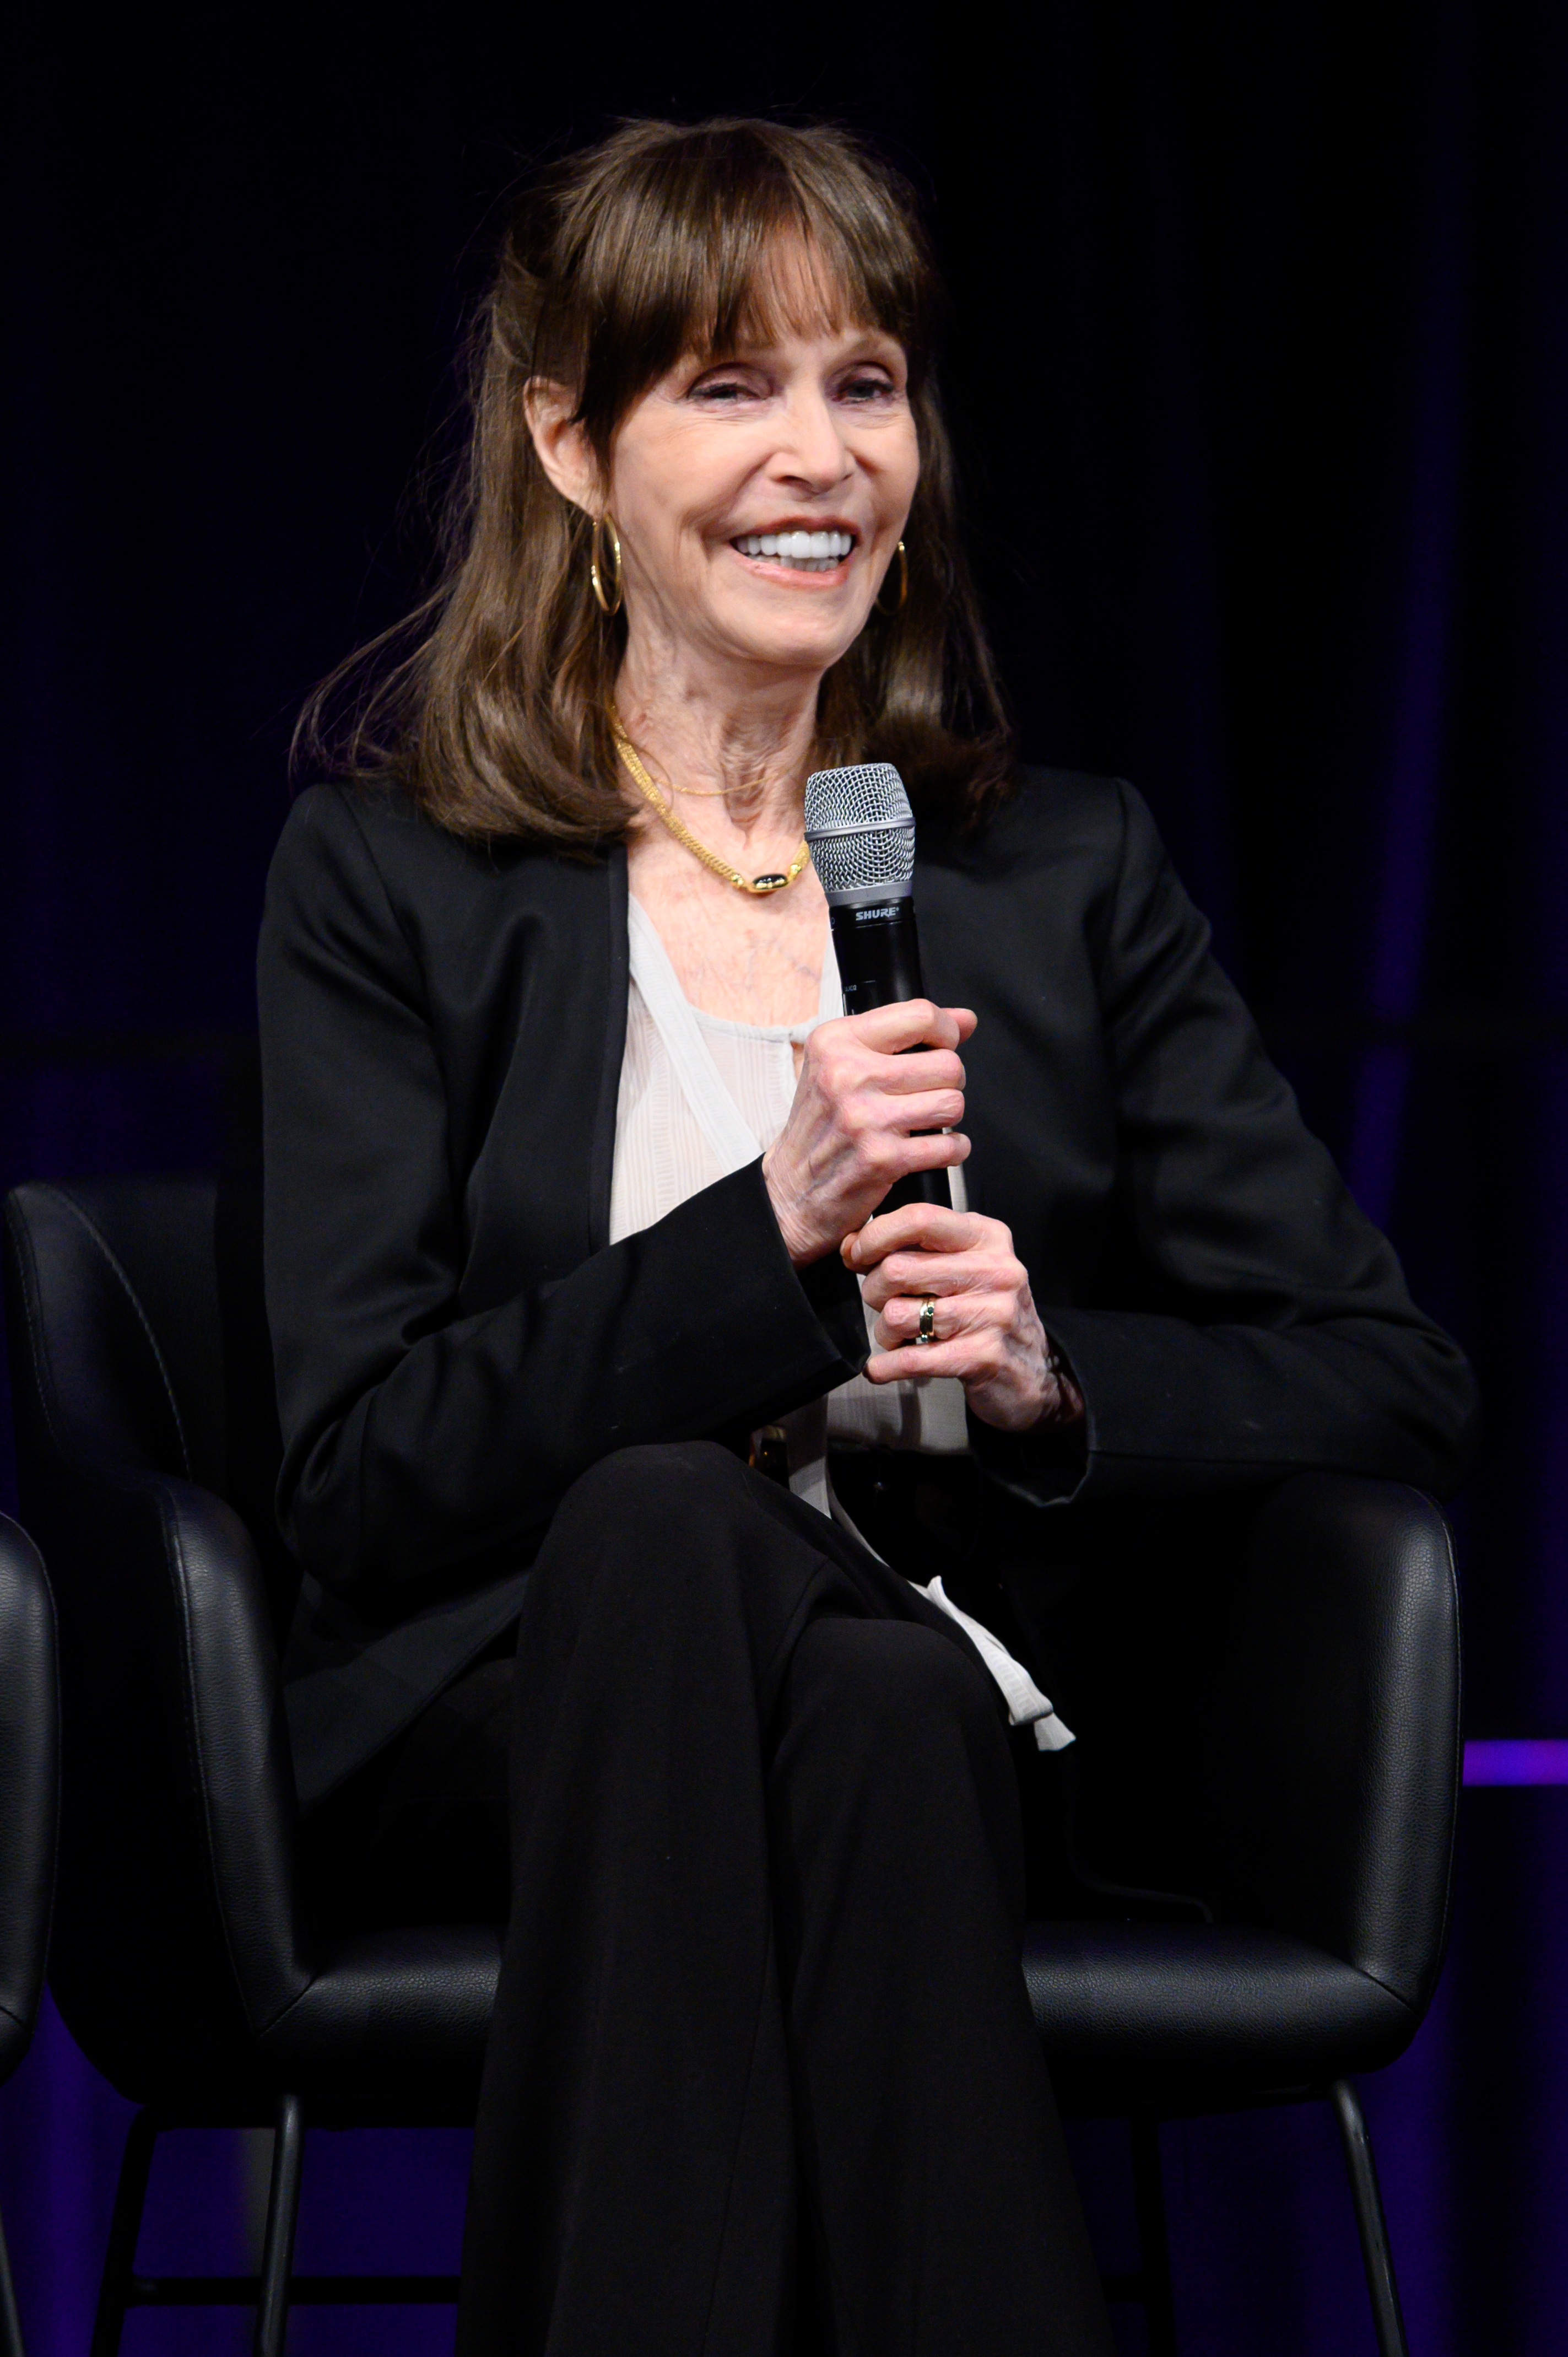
(564, 452)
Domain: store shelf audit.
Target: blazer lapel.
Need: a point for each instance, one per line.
(601, 1159)
(538, 1190)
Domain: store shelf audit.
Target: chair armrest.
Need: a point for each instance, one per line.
(30, 1786)
(1336, 1760)
(177, 1827)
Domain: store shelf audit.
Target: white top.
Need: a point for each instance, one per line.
(701, 1097)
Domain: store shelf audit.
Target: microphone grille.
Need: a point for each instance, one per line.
(861, 828)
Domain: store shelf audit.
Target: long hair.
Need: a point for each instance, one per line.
(488, 704)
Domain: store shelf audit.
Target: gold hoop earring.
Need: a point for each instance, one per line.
(898, 605)
(609, 603)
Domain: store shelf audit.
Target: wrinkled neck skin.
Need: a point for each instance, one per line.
(710, 722)
(702, 720)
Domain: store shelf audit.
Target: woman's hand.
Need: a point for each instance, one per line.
(856, 1102)
(986, 1330)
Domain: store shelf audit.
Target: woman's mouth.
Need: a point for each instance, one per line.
(801, 552)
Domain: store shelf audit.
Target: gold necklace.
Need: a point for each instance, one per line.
(759, 887)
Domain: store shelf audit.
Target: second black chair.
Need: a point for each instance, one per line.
(29, 1801)
(181, 1962)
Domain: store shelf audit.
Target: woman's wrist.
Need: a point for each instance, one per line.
(1063, 1402)
(801, 1245)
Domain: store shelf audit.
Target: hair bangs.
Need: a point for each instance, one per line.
(729, 239)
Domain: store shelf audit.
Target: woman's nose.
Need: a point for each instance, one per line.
(812, 451)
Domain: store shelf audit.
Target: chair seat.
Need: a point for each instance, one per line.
(1134, 2016)
(393, 2027)
(1195, 2017)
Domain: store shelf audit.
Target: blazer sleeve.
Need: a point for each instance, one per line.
(424, 1449)
(1263, 1325)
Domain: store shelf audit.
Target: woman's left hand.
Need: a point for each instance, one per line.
(986, 1330)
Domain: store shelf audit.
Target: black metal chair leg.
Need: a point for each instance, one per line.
(1153, 2241)
(10, 2321)
(283, 2214)
(120, 2258)
(1370, 2224)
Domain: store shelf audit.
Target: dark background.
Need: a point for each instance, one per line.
(1259, 366)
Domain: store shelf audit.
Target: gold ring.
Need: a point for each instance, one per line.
(925, 1331)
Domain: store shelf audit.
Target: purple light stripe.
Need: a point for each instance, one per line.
(1518, 1760)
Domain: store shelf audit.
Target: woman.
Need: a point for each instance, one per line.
(570, 1175)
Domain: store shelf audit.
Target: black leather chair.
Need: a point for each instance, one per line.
(29, 1804)
(1328, 1782)
(180, 1961)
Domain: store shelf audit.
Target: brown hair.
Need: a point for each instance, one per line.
(617, 262)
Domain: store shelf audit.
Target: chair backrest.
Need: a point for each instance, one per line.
(1267, 1686)
(129, 1345)
(1342, 1686)
(175, 1938)
(30, 1786)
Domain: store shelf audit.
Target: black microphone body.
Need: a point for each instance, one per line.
(878, 952)
(862, 834)
(877, 947)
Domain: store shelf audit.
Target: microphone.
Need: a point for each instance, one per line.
(862, 834)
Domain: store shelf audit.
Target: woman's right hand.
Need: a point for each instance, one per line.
(859, 1097)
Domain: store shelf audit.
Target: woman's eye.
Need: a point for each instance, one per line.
(722, 388)
(864, 388)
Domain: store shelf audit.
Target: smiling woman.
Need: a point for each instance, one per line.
(591, 1334)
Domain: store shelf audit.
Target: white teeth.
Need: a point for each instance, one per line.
(811, 551)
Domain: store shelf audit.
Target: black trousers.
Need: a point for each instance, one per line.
(762, 2078)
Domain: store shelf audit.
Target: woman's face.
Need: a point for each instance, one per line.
(759, 500)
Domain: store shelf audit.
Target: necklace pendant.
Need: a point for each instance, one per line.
(769, 883)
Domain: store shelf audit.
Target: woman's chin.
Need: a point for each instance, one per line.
(792, 641)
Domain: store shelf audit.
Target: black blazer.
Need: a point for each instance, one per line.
(456, 1340)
